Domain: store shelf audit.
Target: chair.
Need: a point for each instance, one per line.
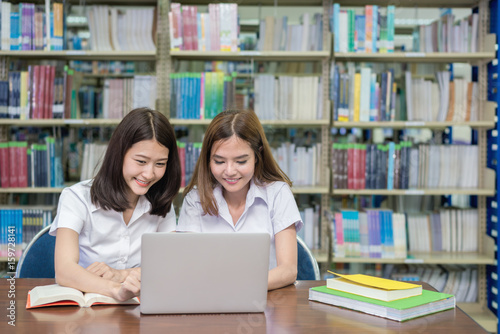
(37, 260)
(307, 266)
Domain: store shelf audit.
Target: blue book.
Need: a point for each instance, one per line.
(334, 27)
(360, 34)
(14, 31)
(375, 28)
(390, 28)
(390, 167)
(389, 237)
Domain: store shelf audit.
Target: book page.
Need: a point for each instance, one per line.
(93, 298)
(51, 293)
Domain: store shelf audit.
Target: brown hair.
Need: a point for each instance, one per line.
(109, 187)
(245, 125)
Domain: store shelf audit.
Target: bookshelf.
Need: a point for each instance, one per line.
(488, 172)
(493, 154)
(167, 57)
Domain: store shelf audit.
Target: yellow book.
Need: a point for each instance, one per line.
(23, 97)
(373, 287)
(357, 96)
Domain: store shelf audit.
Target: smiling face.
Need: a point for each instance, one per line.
(143, 165)
(232, 163)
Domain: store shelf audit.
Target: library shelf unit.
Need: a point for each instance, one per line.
(166, 57)
(487, 120)
(492, 206)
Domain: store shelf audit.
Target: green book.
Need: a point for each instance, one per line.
(400, 310)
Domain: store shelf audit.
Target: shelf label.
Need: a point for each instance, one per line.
(74, 121)
(76, 52)
(414, 123)
(414, 192)
(415, 55)
(250, 53)
(414, 260)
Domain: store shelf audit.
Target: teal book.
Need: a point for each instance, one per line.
(428, 302)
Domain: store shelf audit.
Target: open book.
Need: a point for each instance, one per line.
(373, 287)
(56, 295)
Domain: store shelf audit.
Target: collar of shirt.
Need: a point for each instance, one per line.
(254, 192)
(143, 206)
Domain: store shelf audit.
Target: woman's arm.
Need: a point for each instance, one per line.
(285, 272)
(70, 273)
(105, 271)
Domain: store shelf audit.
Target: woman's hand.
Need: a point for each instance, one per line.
(103, 270)
(130, 287)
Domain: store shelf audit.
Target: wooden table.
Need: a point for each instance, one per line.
(288, 311)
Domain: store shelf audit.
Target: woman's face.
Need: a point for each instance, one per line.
(144, 164)
(232, 163)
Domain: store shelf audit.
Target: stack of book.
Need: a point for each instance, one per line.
(385, 298)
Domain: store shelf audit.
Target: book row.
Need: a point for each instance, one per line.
(188, 154)
(311, 233)
(444, 231)
(447, 34)
(27, 26)
(23, 224)
(444, 100)
(201, 95)
(39, 94)
(288, 97)
(458, 280)
(363, 95)
(35, 93)
(382, 233)
(370, 234)
(39, 165)
(277, 34)
(371, 31)
(121, 29)
(404, 166)
(216, 30)
(300, 163)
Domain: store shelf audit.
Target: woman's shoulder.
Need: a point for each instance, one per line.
(80, 189)
(193, 195)
(274, 187)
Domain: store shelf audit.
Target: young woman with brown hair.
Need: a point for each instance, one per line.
(99, 222)
(237, 186)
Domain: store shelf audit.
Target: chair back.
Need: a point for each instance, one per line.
(307, 266)
(37, 260)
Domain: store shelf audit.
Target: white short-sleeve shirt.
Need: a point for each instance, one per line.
(270, 208)
(103, 234)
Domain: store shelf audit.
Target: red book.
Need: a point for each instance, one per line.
(186, 29)
(41, 92)
(13, 160)
(350, 166)
(35, 86)
(193, 13)
(46, 92)
(50, 101)
(22, 149)
(363, 168)
(181, 148)
(4, 165)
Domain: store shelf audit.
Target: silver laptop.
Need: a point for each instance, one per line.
(204, 272)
